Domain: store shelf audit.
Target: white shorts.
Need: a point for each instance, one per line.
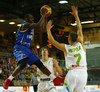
(46, 87)
(75, 80)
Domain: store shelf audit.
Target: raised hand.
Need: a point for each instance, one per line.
(49, 25)
(74, 11)
(42, 11)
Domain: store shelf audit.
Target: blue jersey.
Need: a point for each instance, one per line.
(21, 50)
(24, 37)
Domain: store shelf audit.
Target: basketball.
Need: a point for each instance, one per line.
(47, 9)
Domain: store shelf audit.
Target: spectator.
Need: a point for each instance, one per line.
(20, 76)
(34, 81)
(28, 75)
(91, 79)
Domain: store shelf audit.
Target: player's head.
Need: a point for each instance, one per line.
(44, 51)
(72, 37)
(29, 18)
(35, 72)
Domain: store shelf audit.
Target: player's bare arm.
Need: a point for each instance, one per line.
(35, 25)
(55, 71)
(58, 69)
(79, 26)
(58, 45)
(43, 28)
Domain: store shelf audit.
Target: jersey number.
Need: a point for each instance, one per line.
(79, 58)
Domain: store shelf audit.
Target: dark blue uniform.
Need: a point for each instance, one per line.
(21, 49)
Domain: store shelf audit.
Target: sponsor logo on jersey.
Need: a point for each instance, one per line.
(74, 49)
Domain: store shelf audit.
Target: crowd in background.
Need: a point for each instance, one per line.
(8, 64)
(7, 43)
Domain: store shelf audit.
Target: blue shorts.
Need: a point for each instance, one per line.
(21, 52)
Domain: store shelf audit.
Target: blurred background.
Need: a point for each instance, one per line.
(12, 15)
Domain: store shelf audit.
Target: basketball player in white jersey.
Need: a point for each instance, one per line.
(75, 56)
(45, 82)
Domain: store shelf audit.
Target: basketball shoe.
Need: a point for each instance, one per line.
(58, 80)
(6, 83)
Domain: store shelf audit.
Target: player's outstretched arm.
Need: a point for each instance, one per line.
(43, 19)
(58, 45)
(35, 25)
(43, 28)
(79, 26)
(57, 67)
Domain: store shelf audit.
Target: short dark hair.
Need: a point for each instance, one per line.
(45, 47)
(73, 36)
(26, 16)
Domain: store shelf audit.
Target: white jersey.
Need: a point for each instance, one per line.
(76, 56)
(49, 65)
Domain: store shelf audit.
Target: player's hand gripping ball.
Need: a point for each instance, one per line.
(47, 9)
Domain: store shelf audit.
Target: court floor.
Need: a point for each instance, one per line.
(88, 88)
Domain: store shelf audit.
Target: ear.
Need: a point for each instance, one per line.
(26, 19)
(68, 38)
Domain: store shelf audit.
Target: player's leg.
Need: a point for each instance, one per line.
(69, 82)
(21, 65)
(35, 88)
(41, 87)
(51, 87)
(40, 65)
(82, 80)
(45, 87)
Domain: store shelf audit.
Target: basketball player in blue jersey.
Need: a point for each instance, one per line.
(22, 52)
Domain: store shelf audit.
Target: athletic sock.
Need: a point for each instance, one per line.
(52, 76)
(10, 77)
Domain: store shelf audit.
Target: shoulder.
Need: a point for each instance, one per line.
(67, 46)
(82, 45)
(25, 25)
(54, 61)
(50, 58)
(23, 22)
(78, 43)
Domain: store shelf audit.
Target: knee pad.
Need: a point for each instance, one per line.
(38, 63)
(23, 63)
